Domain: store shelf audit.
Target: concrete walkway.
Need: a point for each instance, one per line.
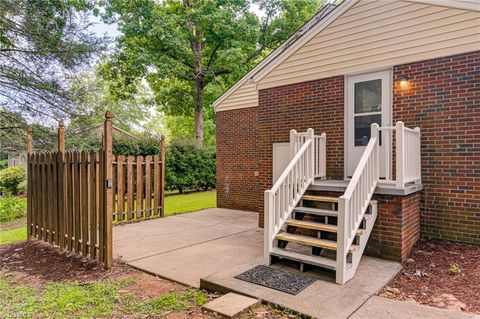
(208, 248)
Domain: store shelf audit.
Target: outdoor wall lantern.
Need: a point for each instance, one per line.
(404, 82)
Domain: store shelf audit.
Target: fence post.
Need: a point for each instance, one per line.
(108, 189)
(162, 177)
(29, 182)
(61, 136)
(400, 149)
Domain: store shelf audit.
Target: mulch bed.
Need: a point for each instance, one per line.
(37, 262)
(439, 274)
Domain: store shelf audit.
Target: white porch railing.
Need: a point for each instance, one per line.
(320, 145)
(408, 167)
(353, 204)
(283, 197)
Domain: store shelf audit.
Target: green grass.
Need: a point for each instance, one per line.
(97, 299)
(177, 204)
(13, 235)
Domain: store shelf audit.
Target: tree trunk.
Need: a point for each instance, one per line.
(198, 100)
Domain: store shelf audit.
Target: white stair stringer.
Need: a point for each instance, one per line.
(362, 241)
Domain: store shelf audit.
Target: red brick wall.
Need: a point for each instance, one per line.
(237, 159)
(444, 101)
(316, 104)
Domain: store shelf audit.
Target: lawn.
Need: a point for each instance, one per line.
(13, 235)
(177, 204)
(174, 204)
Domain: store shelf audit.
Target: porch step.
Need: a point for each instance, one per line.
(327, 199)
(311, 241)
(320, 198)
(316, 226)
(307, 259)
(316, 211)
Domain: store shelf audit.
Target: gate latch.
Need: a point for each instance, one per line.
(109, 183)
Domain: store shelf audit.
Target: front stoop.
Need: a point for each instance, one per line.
(230, 305)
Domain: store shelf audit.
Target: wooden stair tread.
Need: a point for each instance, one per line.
(316, 211)
(308, 259)
(316, 226)
(311, 241)
(320, 198)
(328, 199)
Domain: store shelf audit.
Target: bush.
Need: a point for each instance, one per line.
(10, 178)
(188, 167)
(12, 208)
(22, 187)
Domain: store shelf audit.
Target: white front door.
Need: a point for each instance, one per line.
(368, 101)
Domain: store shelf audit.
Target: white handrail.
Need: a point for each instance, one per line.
(353, 204)
(408, 166)
(320, 158)
(287, 191)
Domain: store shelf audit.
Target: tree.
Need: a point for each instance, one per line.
(190, 48)
(92, 98)
(42, 41)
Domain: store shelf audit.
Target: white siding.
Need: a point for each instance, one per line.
(378, 34)
(245, 96)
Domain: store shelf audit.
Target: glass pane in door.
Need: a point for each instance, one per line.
(368, 96)
(362, 128)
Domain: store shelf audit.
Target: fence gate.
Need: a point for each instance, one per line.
(71, 201)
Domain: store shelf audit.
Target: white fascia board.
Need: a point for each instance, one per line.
(455, 4)
(337, 12)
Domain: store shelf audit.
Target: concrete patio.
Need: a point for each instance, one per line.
(206, 249)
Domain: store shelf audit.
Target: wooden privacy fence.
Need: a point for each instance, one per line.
(74, 197)
(139, 186)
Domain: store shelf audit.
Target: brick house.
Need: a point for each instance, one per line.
(395, 88)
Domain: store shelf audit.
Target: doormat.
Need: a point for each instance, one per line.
(278, 279)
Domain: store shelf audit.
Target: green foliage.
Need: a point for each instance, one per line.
(188, 167)
(454, 269)
(174, 301)
(3, 164)
(92, 98)
(22, 187)
(40, 43)
(11, 236)
(192, 51)
(12, 208)
(10, 178)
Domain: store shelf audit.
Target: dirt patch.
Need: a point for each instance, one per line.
(439, 274)
(36, 262)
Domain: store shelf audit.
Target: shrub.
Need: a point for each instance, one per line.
(10, 178)
(188, 167)
(12, 208)
(22, 187)
(3, 163)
